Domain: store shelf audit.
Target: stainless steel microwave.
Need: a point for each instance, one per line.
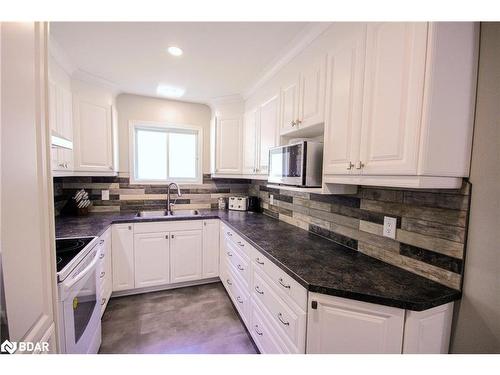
(297, 164)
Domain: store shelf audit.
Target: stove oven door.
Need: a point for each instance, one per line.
(80, 309)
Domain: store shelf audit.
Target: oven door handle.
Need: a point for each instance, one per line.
(85, 271)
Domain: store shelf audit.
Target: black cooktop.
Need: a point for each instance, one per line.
(68, 248)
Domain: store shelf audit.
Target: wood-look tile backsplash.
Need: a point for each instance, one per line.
(432, 224)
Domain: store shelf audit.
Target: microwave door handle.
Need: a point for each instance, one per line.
(82, 274)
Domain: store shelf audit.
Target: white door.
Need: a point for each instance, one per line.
(268, 132)
(185, 255)
(28, 244)
(342, 326)
(345, 71)
(312, 94)
(210, 248)
(289, 98)
(250, 126)
(393, 94)
(122, 237)
(228, 145)
(93, 134)
(151, 254)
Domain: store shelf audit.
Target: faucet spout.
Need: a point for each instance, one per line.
(169, 205)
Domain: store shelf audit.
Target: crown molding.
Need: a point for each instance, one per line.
(295, 47)
(84, 76)
(61, 57)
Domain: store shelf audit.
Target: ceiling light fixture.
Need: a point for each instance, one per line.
(174, 51)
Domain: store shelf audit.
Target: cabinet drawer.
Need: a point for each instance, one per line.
(232, 237)
(264, 336)
(284, 282)
(163, 226)
(288, 321)
(240, 296)
(239, 264)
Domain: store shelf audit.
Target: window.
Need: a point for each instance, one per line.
(163, 153)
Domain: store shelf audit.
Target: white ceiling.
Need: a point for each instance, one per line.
(220, 59)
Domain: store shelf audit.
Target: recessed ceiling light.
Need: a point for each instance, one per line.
(174, 51)
(170, 91)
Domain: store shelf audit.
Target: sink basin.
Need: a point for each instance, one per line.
(156, 213)
(185, 212)
(164, 213)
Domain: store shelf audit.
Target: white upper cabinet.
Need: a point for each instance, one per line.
(312, 94)
(394, 84)
(250, 125)
(94, 135)
(268, 133)
(228, 150)
(408, 122)
(345, 70)
(289, 106)
(61, 124)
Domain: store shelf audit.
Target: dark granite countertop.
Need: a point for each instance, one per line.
(320, 265)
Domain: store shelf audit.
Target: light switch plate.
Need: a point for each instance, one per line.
(271, 199)
(390, 224)
(105, 195)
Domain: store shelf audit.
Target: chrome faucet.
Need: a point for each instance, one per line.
(169, 205)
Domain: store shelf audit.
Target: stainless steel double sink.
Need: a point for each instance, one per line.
(165, 213)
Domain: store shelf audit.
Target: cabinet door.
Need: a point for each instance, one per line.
(250, 125)
(268, 132)
(289, 98)
(393, 94)
(185, 255)
(312, 94)
(93, 133)
(210, 248)
(345, 72)
(151, 255)
(55, 163)
(66, 124)
(122, 237)
(228, 145)
(342, 326)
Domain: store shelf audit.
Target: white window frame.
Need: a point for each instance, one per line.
(136, 124)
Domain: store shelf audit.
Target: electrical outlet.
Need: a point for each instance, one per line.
(105, 195)
(271, 199)
(390, 224)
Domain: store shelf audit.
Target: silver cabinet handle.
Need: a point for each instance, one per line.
(359, 165)
(229, 282)
(101, 256)
(293, 123)
(280, 280)
(258, 290)
(166, 236)
(258, 261)
(255, 328)
(240, 267)
(280, 318)
(130, 227)
(229, 254)
(241, 244)
(103, 301)
(239, 299)
(299, 122)
(229, 233)
(350, 166)
(101, 242)
(102, 274)
(172, 236)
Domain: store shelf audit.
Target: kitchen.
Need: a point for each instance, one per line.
(323, 189)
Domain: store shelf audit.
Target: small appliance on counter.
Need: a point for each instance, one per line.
(244, 204)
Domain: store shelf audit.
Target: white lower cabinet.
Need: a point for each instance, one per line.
(151, 259)
(210, 248)
(105, 274)
(123, 256)
(342, 326)
(185, 255)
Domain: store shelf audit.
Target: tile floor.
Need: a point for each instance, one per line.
(198, 319)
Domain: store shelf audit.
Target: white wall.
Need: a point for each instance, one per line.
(142, 108)
(477, 317)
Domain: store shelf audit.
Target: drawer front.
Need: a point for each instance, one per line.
(163, 226)
(240, 265)
(290, 323)
(281, 279)
(236, 239)
(240, 297)
(264, 336)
